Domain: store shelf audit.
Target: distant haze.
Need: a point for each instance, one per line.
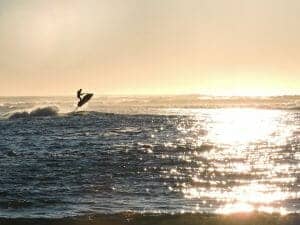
(124, 47)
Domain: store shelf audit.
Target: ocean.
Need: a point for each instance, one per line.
(169, 155)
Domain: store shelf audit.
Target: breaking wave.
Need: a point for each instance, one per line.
(38, 112)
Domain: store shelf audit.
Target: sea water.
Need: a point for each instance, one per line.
(148, 155)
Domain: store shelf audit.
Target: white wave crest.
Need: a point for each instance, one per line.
(38, 112)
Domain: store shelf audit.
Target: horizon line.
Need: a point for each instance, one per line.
(150, 95)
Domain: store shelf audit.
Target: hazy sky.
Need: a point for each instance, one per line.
(149, 46)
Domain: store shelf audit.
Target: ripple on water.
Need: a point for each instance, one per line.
(214, 161)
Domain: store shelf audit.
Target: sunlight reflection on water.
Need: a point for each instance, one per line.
(187, 160)
(252, 164)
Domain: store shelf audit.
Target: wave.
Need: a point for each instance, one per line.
(38, 112)
(130, 218)
(51, 111)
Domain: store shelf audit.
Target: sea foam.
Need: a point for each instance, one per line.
(38, 112)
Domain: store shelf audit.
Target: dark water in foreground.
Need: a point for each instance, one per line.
(163, 219)
(165, 160)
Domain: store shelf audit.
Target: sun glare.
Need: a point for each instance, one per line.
(243, 161)
(242, 126)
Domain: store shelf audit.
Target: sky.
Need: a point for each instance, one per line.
(149, 47)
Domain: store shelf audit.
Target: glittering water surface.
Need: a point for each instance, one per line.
(172, 160)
